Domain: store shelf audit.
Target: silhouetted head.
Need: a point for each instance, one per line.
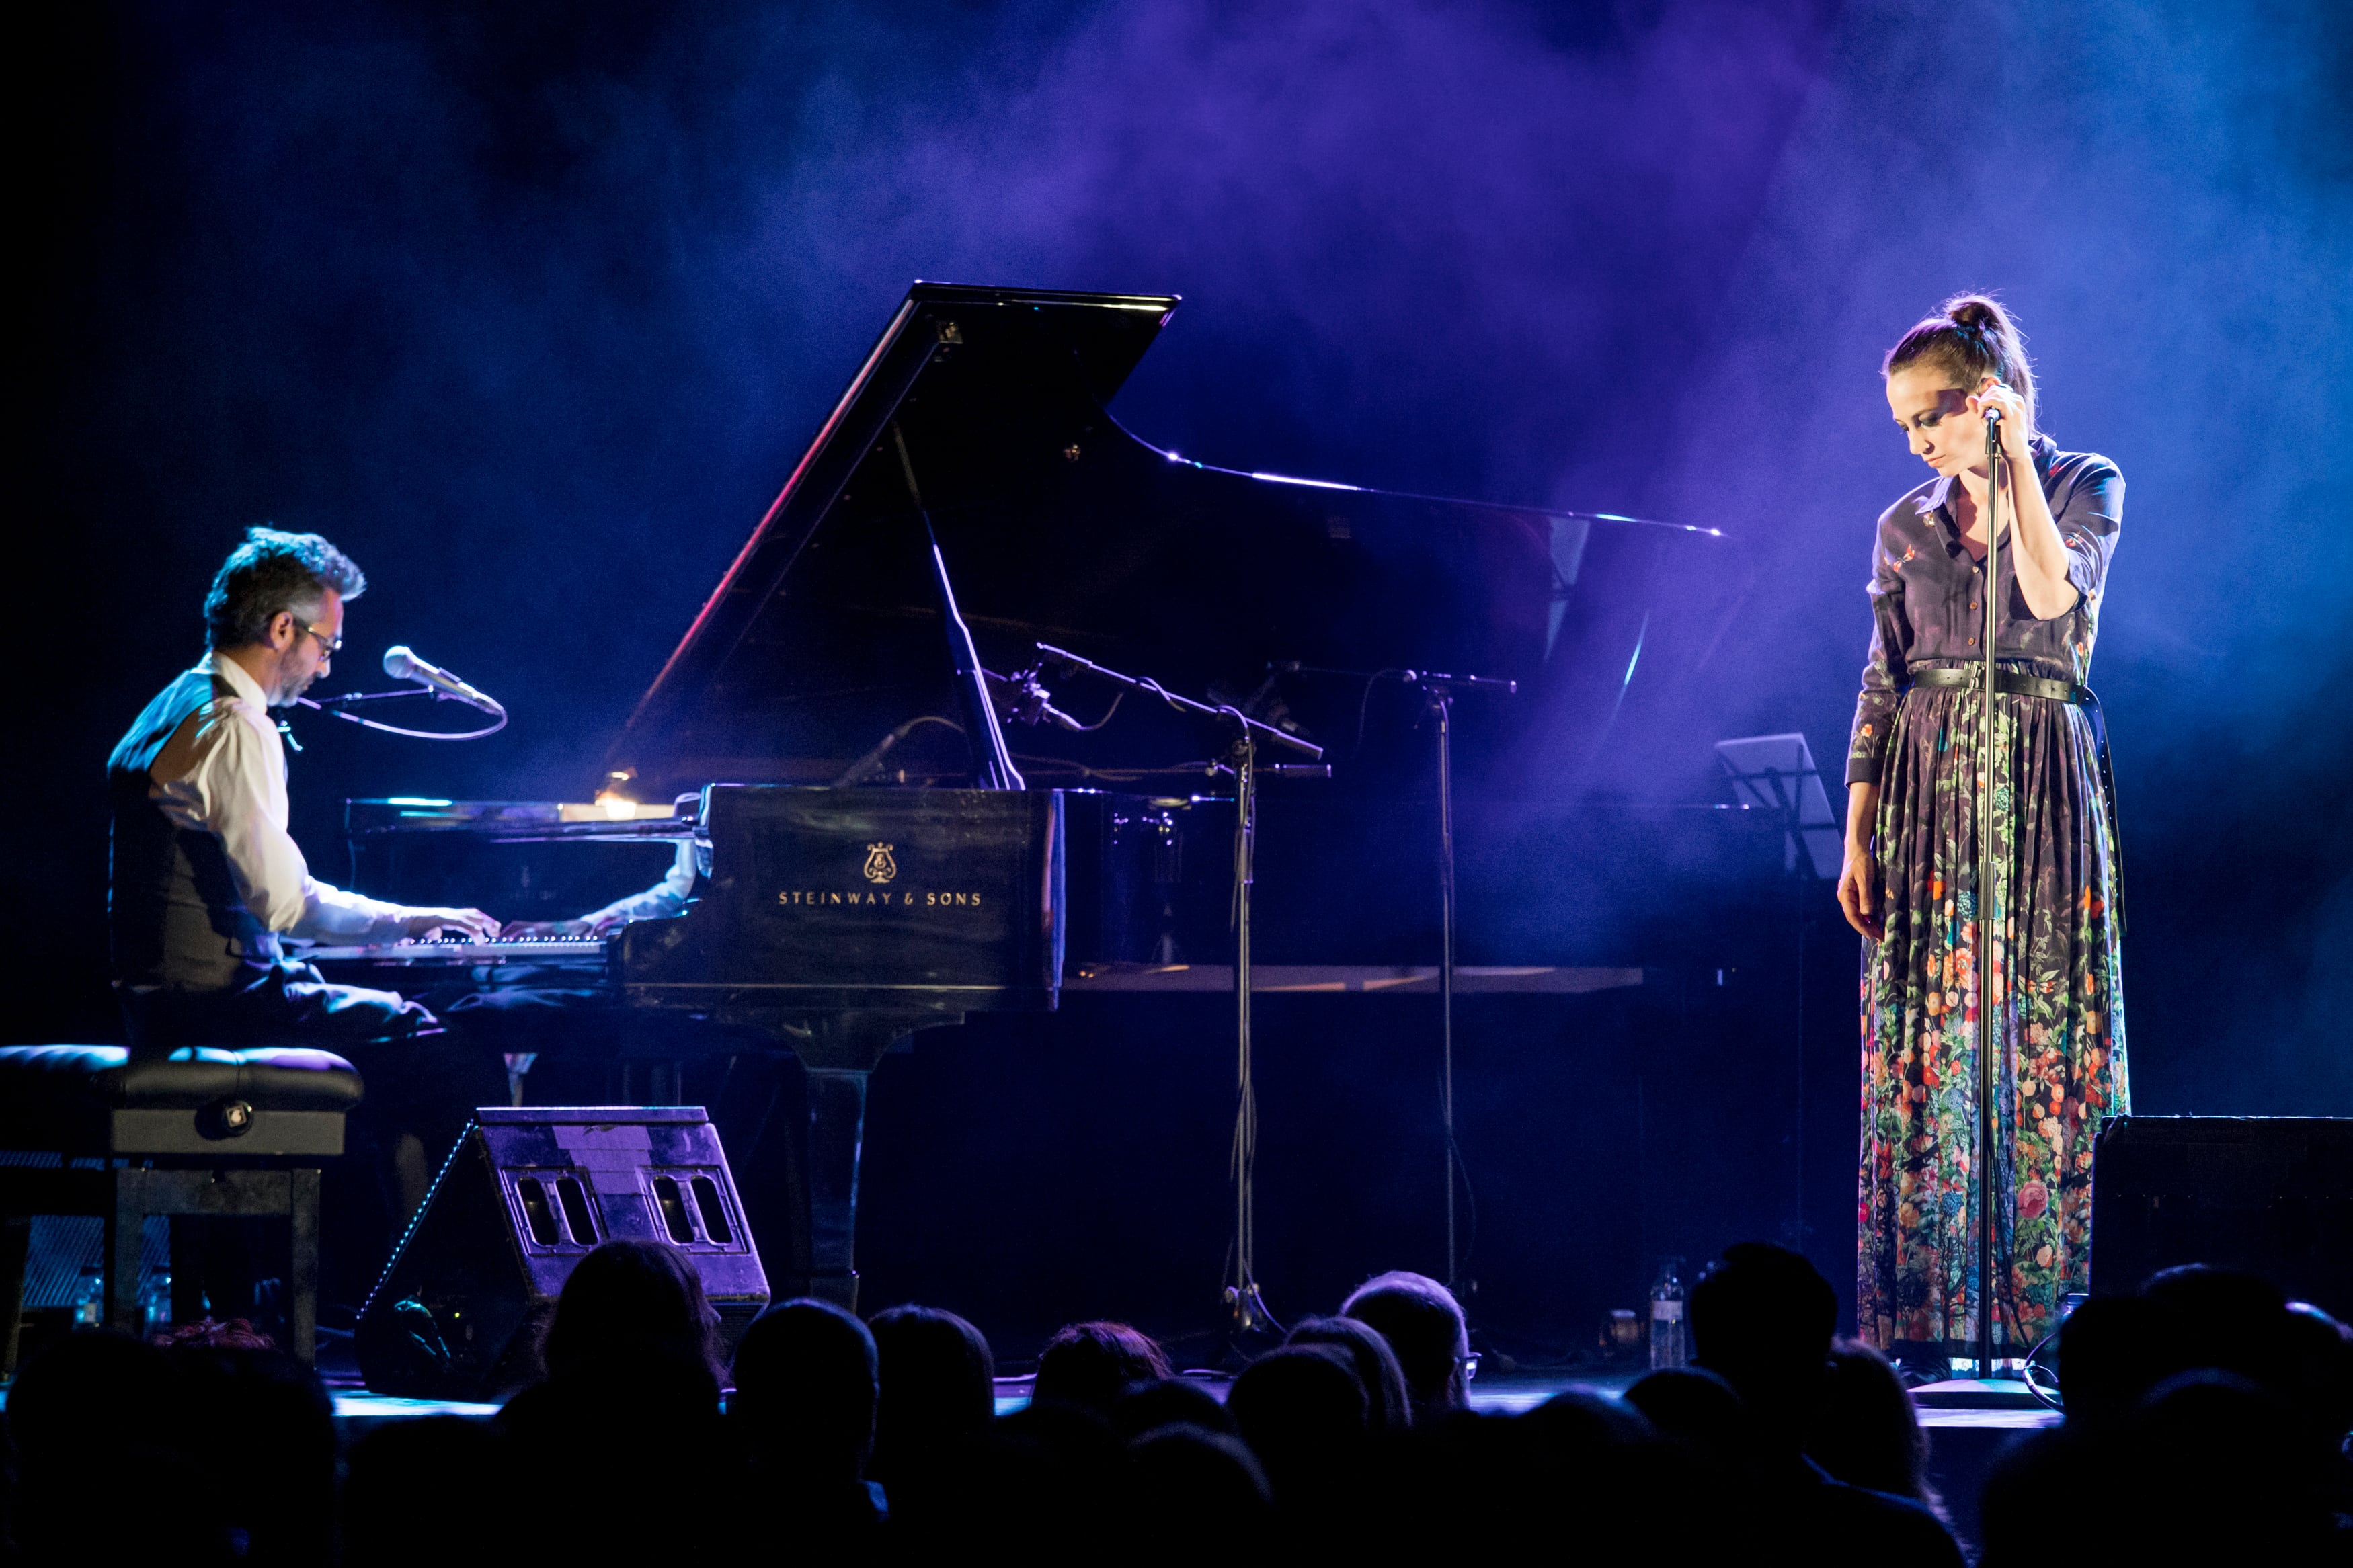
(459, 1463)
(1865, 1430)
(2320, 1350)
(2219, 1474)
(2109, 1354)
(2210, 1317)
(936, 1386)
(1171, 1402)
(1582, 1426)
(1092, 1365)
(1390, 1406)
(1302, 1412)
(85, 1416)
(1423, 1324)
(1699, 1409)
(1763, 1317)
(805, 1390)
(1203, 1491)
(1060, 1470)
(635, 1309)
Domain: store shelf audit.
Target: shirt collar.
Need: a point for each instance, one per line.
(247, 688)
(2041, 448)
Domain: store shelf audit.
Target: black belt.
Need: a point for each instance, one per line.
(2022, 685)
(2010, 680)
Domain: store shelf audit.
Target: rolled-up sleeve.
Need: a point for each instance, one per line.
(2088, 521)
(332, 912)
(1874, 706)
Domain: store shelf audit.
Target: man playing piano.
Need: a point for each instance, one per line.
(204, 881)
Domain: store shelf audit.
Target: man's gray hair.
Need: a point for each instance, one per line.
(274, 570)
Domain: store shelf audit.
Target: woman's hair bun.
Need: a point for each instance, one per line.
(1970, 335)
(1976, 310)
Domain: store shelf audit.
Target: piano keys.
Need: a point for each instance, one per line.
(585, 954)
(490, 964)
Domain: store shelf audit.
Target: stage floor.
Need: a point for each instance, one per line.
(357, 1409)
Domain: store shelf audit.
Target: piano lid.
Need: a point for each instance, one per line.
(1057, 525)
(1041, 348)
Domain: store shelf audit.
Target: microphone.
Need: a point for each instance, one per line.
(1028, 702)
(402, 664)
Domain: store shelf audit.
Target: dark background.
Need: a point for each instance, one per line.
(530, 307)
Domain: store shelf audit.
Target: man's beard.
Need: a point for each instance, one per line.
(286, 693)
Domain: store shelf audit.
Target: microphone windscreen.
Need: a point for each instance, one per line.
(400, 663)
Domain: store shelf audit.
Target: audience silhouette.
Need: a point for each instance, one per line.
(806, 1380)
(2207, 1420)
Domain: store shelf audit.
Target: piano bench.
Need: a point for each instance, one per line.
(196, 1132)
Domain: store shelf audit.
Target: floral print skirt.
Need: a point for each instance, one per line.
(2059, 1022)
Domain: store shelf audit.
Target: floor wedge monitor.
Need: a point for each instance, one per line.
(525, 1196)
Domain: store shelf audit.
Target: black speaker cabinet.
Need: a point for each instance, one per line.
(526, 1194)
(2269, 1195)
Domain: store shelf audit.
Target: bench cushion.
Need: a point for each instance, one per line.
(93, 1098)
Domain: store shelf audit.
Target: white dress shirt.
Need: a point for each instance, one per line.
(226, 775)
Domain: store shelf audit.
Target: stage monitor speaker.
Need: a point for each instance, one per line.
(2271, 1195)
(525, 1196)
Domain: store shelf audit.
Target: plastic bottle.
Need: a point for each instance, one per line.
(155, 1302)
(1669, 1346)
(89, 1299)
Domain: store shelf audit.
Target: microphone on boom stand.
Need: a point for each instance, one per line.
(402, 664)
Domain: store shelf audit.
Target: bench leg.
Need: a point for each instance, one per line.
(16, 1242)
(125, 1226)
(302, 1272)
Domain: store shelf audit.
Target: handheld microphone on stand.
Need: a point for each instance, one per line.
(1989, 917)
(402, 664)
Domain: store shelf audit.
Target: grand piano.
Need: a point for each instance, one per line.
(887, 846)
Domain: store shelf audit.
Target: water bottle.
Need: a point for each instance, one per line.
(155, 1302)
(1668, 1346)
(89, 1299)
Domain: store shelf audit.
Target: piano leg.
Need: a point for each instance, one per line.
(838, 1053)
(837, 1126)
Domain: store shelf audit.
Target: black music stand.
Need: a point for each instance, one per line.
(1776, 773)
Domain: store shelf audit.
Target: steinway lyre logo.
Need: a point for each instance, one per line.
(880, 866)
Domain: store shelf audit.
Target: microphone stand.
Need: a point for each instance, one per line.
(1251, 1320)
(1437, 698)
(336, 704)
(1988, 919)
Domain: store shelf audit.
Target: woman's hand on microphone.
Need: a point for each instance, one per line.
(1993, 395)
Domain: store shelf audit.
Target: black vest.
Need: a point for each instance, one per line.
(175, 919)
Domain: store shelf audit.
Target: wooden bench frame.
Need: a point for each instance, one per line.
(122, 1196)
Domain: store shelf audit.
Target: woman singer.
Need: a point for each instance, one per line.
(1909, 879)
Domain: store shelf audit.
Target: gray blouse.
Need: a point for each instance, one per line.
(1924, 592)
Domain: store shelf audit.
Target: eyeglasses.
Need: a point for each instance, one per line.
(328, 647)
